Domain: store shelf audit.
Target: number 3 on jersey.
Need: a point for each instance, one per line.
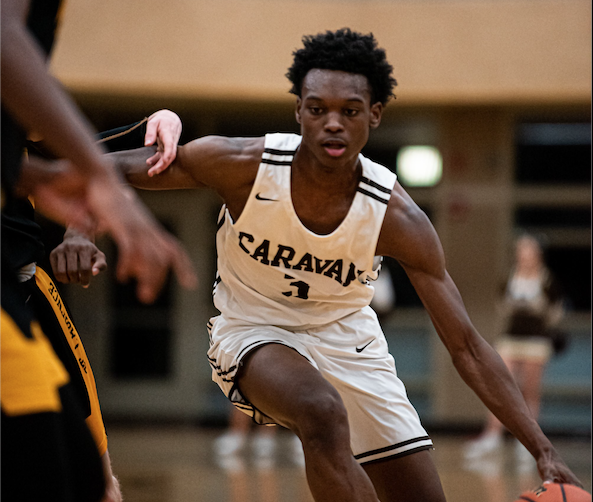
(301, 288)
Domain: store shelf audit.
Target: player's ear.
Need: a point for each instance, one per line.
(376, 113)
(297, 111)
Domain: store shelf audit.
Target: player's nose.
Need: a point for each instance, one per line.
(334, 122)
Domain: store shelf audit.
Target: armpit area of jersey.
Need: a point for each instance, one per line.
(113, 140)
(124, 138)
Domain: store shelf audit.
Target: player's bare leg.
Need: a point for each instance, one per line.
(412, 478)
(283, 385)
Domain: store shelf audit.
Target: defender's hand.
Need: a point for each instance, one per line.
(164, 128)
(77, 259)
(146, 251)
(58, 190)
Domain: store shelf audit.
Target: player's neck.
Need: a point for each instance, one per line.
(322, 195)
(339, 176)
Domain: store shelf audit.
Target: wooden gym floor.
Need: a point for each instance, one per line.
(178, 464)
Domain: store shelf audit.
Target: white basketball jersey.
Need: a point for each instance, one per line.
(273, 270)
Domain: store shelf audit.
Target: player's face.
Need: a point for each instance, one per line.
(336, 115)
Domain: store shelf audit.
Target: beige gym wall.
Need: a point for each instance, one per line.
(457, 51)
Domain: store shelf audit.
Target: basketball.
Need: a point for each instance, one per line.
(555, 492)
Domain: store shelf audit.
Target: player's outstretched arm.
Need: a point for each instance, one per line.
(408, 236)
(77, 259)
(132, 165)
(227, 165)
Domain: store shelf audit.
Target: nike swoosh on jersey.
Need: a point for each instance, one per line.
(259, 197)
(360, 349)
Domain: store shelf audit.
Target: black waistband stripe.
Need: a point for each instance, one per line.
(397, 455)
(392, 447)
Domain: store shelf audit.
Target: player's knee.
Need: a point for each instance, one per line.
(324, 419)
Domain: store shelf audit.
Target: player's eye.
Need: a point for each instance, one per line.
(351, 112)
(315, 110)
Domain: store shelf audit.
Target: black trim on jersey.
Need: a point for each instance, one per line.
(374, 185)
(398, 455)
(276, 162)
(392, 447)
(113, 134)
(273, 151)
(372, 195)
(56, 334)
(221, 222)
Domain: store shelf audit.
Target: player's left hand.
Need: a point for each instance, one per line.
(164, 128)
(553, 469)
(77, 259)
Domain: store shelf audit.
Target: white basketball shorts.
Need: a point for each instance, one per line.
(352, 354)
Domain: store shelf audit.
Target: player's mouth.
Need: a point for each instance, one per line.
(334, 148)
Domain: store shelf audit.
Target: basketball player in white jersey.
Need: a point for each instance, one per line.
(296, 343)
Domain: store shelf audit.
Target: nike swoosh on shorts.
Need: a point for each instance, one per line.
(259, 197)
(360, 349)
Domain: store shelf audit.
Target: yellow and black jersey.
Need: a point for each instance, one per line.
(31, 373)
(59, 328)
(48, 453)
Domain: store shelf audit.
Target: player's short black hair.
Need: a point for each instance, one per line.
(348, 51)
